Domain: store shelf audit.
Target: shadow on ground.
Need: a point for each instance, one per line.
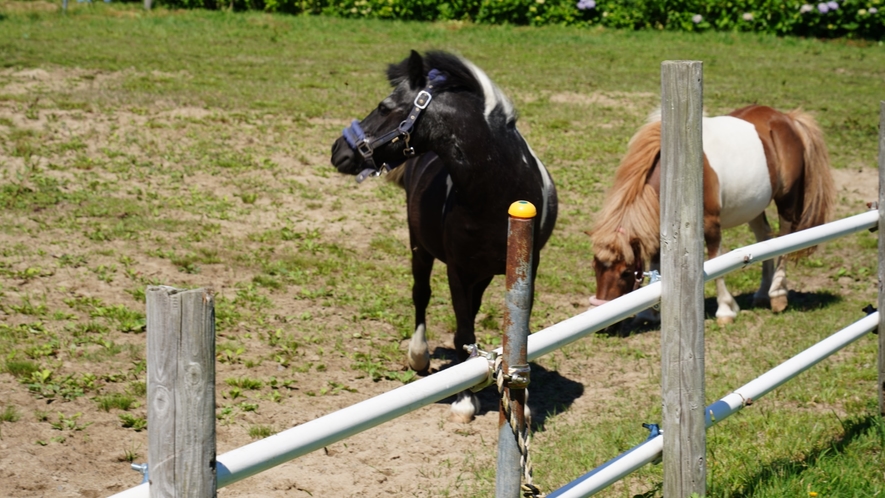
(798, 301)
(549, 392)
(779, 470)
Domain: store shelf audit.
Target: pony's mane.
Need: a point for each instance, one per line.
(462, 74)
(631, 210)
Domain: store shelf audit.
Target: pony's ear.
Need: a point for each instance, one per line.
(417, 78)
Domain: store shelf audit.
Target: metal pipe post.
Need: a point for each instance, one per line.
(512, 430)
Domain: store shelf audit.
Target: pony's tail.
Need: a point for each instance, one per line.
(820, 189)
(397, 176)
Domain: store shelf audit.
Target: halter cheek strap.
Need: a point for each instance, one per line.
(358, 141)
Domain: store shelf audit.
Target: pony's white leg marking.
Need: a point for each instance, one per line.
(728, 308)
(762, 230)
(419, 355)
(777, 293)
(465, 407)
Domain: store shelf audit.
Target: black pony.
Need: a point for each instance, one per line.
(465, 162)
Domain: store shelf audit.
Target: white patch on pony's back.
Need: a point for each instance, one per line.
(735, 153)
(493, 95)
(545, 178)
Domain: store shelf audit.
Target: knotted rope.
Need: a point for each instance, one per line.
(523, 437)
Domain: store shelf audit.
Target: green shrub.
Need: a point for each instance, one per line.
(849, 18)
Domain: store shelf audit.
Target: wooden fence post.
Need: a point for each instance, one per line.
(181, 392)
(882, 258)
(682, 279)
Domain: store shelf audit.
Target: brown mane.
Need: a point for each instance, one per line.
(397, 176)
(631, 211)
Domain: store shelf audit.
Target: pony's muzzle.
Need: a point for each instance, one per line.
(343, 157)
(594, 301)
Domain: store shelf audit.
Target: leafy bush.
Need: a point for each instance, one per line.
(835, 18)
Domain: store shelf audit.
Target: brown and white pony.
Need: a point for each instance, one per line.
(752, 156)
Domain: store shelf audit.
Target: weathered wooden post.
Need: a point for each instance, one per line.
(513, 434)
(181, 392)
(682, 279)
(882, 258)
(147, 4)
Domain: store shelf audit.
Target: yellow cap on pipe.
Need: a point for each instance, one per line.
(522, 209)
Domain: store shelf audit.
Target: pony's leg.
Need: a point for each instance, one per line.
(728, 308)
(762, 230)
(422, 264)
(778, 290)
(465, 303)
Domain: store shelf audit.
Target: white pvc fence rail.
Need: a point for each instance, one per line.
(261, 455)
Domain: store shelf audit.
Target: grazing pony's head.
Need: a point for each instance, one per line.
(627, 229)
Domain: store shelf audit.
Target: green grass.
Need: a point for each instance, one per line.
(9, 414)
(156, 163)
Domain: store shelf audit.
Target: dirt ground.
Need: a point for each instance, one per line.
(421, 454)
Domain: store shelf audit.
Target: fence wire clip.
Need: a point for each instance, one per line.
(143, 469)
(491, 357)
(653, 276)
(654, 430)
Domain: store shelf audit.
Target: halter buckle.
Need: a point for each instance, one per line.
(364, 148)
(422, 99)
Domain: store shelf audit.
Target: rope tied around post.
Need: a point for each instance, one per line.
(512, 371)
(524, 437)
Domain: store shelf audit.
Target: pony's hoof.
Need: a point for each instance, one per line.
(420, 362)
(419, 353)
(465, 408)
(778, 304)
(724, 320)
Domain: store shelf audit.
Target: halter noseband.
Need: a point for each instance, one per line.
(358, 141)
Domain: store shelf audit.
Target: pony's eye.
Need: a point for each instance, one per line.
(384, 109)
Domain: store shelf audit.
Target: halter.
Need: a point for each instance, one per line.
(358, 141)
(638, 274)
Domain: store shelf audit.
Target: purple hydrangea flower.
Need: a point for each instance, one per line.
(586, 4)
(697, 18)
(823, 8)
(833, 5)
(806, 8)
